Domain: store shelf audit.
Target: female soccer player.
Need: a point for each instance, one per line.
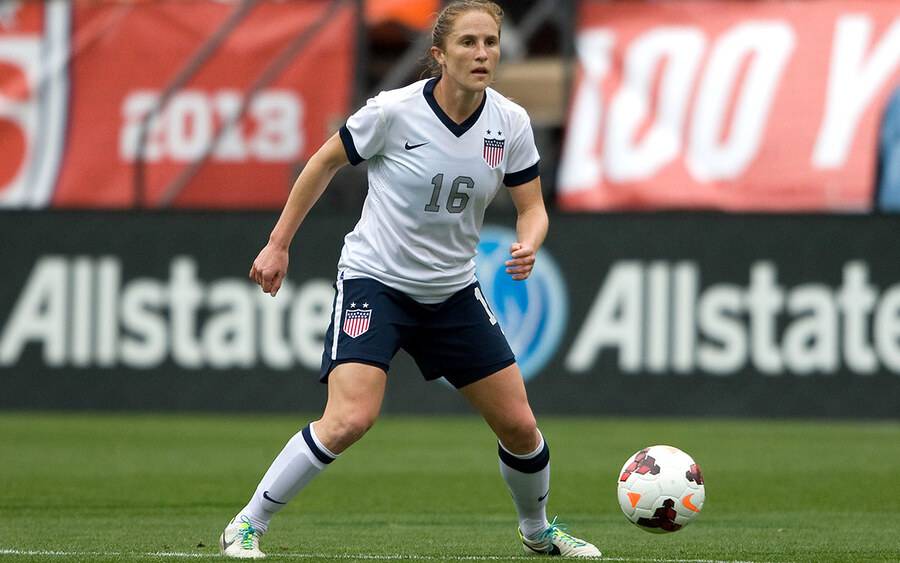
(438, 151)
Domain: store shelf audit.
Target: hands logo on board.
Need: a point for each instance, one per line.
(532, 313)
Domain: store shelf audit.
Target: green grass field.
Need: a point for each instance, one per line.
(158, 487)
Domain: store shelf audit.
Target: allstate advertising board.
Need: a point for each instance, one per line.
(687, 314)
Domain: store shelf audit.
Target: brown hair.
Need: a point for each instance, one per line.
(444, 24)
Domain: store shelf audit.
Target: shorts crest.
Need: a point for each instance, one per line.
(356, 322)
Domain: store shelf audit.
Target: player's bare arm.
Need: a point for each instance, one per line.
(270, 266)
(531, 228)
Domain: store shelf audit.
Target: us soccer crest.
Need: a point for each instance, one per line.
(356, 322)
(493, 148)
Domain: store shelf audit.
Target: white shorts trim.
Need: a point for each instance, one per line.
(338, 313)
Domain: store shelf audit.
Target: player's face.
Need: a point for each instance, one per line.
(472, 51)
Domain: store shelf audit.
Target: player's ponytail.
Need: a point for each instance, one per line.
(443, 25)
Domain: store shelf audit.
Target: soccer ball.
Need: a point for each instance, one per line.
(661, 489)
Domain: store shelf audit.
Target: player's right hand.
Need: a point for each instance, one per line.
(270, 268)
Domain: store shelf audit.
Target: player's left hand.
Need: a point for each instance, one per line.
(522, 262)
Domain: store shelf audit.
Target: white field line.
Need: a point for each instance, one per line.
(333, 556)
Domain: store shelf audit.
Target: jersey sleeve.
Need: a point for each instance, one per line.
(363, 134)
(523, 163)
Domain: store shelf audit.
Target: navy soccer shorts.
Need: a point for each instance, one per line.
(459, 339)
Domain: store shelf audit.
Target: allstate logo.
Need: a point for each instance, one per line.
(532, 313)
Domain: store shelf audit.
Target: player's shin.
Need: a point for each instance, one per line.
(528, 479)
(302, 458)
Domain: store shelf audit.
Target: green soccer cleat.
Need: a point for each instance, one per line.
(240, 540)
(556, 541)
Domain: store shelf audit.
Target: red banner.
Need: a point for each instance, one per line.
(755, 106)
(185, 104)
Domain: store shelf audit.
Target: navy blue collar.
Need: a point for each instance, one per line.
(457, 129)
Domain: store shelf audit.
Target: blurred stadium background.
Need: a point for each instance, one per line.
(722, 179)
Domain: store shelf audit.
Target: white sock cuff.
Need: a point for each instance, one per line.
(319, 444)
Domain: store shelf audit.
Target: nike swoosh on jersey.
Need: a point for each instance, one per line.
(411, 147)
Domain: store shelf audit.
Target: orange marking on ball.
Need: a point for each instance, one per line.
(686, 501)
(634, 498)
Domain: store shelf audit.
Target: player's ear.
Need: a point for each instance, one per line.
(438, 55)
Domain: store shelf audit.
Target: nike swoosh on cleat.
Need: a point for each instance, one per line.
(533, 549)
(270, 499)
(411, 147)
(225, 544)
(554, 550)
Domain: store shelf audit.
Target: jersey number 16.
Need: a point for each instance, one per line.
(457, 200)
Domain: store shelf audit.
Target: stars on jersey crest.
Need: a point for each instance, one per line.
(494, 144)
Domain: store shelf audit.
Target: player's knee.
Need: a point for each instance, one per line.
(351, 426)
(520, 434)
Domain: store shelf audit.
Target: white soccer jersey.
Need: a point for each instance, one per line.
(430, 181)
